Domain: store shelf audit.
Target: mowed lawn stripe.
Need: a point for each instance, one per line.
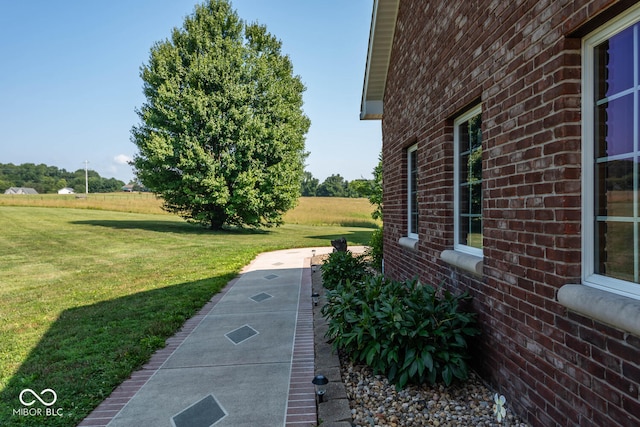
(86, 296)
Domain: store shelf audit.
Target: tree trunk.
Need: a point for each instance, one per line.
(216, 223)
(217, 217)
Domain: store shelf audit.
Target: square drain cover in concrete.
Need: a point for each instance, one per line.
(261, 297)
(241, 334)
(270, 276)
(204, 413)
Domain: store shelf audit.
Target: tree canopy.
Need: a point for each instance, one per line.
(50, 179)
(309, 185)
(336, 186)
(222, 130)
(375, 196)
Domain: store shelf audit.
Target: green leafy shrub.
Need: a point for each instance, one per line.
(343, 266)
(375, 249)
(403, 330)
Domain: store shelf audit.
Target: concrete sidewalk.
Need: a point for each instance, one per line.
(246, 359)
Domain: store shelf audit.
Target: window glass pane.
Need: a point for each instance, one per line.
(615, 188)
(470, 182)
(463, 173)
(474, 161)
(475, 132)
(614, 124)
(615, 249)
(471, 231)
(476, 199)
(463, 142)
(463, 229)
(464, 201)
(414, 222)
(474, 238)
(614, 64)
(413, 192)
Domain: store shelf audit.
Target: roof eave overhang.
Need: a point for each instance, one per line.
(383, 25)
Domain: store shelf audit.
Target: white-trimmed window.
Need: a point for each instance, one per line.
(611, 156)
(467, 136)
(412, 192)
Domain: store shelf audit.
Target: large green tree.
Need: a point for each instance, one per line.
(222, 130)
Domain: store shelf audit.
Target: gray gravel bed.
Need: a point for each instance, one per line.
(376, 402)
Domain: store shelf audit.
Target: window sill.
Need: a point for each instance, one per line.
(409, 243)
(615, 310)
(471, 263)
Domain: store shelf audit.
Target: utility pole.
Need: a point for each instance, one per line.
(86, 177)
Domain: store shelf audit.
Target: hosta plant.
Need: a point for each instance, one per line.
(407, 331)
(340, 267)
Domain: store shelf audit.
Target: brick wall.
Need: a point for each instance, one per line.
(521, 61)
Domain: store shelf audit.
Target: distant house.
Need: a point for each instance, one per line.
(66, 190)
(127, 188)
(20, 190)
(511, 153)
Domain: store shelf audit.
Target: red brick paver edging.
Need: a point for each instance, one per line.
(301, 405)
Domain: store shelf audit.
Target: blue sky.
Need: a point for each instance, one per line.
(69, 78)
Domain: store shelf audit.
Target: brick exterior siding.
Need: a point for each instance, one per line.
(522, 61)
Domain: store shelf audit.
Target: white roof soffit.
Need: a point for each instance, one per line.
(383, 25)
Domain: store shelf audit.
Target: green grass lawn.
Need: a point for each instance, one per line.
(86, 296)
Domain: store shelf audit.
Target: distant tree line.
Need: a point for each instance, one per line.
(50, 179)
(335, 186)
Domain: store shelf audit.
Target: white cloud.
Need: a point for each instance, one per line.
(122, 159)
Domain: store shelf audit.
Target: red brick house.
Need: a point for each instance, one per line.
(511, 157)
